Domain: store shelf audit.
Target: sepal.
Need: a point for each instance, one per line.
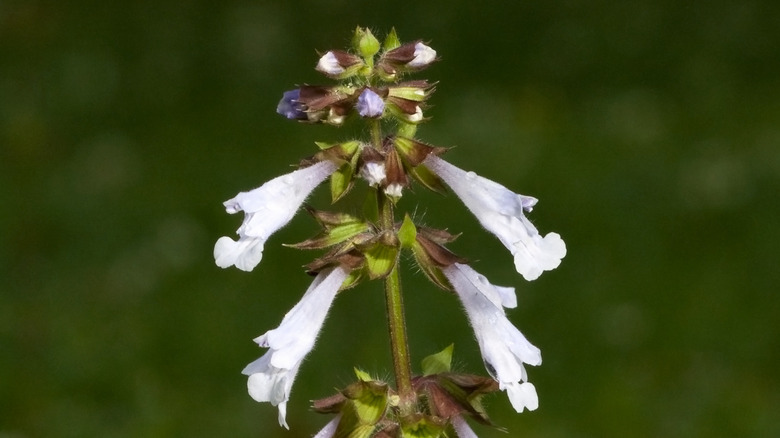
(431, 256)
(381, 255)
(396, 179)
(415, 152)
(417, 91)
(341, 181)
(407, 233)
(440, 362)
(391, 41)
(337, 228)
(422, 426)
(365, 43)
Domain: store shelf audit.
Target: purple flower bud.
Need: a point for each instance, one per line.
(369, 104)
(290, 106)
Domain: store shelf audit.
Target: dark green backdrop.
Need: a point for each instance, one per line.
(649, 130)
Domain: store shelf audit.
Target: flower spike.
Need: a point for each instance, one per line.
(364, 241)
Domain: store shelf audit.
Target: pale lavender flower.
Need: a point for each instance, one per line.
(271, 376)
(504, 349)
(329, 430)
(462, 428)
(394, 190)
(370, 104)
(267, 209)
(423, 55)
(500, 211)
(329, 64)
(290, 107)
(374, 173)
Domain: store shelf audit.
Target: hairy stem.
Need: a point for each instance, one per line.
(396, 321)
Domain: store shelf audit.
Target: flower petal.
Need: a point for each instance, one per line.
(329, 64)
(370, 104)
(522, 396)
(245, 254)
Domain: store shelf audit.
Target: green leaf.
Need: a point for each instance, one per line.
(439, 362)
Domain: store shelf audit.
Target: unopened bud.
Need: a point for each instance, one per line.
(290, 106)
(339, 64)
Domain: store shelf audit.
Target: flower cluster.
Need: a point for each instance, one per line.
(372, 89)
(382, 98)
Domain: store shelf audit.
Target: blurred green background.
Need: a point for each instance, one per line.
(649, 130)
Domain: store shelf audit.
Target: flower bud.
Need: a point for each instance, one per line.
(370, 104)
(412, 56)
(365, 43)
(416, 91)
(373, 173)
(290, 105)
(339, 64)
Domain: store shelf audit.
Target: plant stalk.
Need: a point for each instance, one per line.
(396, 321)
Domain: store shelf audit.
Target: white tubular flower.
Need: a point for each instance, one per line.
(271, 376)
(500, 211)
(329, 430)
(504, 349)
(374, 173)
(394, 190)
(267, 209)
(462, 428)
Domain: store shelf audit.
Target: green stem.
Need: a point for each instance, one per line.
(396, 321)
(376, 134)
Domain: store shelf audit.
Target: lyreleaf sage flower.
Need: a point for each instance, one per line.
(329, 430)
(271, 376)
(462, 428)
(370, 104)
(504, 349)
(374, 173)
(500, 211)
(267, 209)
